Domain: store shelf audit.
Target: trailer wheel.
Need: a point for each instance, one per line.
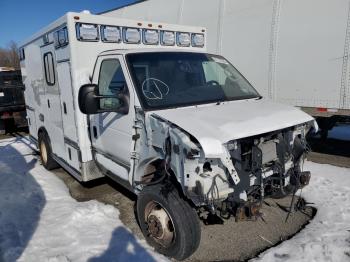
(45, 152)
(168, 222)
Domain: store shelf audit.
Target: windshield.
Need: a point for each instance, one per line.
(175, 79)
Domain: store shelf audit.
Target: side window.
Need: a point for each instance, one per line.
(49, 69)
(214, 73)
(231, 81)
(111, 81)
(61, 37)
(21, 54)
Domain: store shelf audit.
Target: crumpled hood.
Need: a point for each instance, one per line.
(213, 125)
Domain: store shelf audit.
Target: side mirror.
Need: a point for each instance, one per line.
(90, 102)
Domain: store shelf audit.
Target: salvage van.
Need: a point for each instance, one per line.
(144, 104)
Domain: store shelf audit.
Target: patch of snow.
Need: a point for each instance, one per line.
(40, 221)
(327, 237)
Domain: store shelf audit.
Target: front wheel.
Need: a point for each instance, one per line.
(168, 222)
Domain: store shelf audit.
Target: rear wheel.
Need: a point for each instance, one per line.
(168, 222)
(45, 152)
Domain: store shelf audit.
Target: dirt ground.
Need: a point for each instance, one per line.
(229, 241)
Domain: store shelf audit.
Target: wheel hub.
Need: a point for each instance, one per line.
(155, 226)
(159, 224)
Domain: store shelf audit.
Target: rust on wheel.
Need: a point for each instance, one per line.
(159, 224)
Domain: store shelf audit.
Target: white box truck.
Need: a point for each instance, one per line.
(144, 104)
(295, 52)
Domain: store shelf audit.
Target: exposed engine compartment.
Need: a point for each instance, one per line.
(268, 165)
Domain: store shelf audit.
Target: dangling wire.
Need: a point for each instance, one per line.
(214, 190)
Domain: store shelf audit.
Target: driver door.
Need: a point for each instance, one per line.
(111, 132)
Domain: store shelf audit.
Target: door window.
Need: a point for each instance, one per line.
(111, 82)
(49, 69)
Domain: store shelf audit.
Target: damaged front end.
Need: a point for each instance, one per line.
(267, 165)
(235, 180)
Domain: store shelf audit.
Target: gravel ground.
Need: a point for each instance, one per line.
(230, 241)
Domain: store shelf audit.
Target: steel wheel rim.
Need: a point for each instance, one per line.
(160, 226)
(43, 152)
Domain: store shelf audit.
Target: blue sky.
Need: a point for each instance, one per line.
(19, 19)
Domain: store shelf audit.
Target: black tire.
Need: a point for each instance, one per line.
(46, 152)
(184, 220)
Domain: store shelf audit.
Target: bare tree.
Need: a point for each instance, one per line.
(4, 58)
(9, 56)
(13, 54)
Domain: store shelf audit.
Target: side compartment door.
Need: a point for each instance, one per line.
(67, 102)
(50, 110)
(68, 114)
(111, 133)
(31, 121)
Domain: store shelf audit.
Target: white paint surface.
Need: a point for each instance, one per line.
(233, 120)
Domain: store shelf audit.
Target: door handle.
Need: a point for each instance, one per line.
(94, 130)
(48, 103)
(64, 108)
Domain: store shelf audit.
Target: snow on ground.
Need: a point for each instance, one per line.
(40, 221)
(327, 237)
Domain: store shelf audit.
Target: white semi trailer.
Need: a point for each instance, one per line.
(293, 51)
